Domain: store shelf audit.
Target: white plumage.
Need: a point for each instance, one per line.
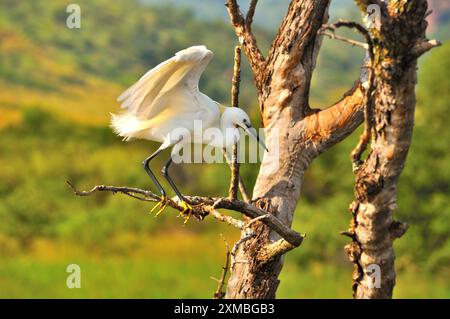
(167, 98)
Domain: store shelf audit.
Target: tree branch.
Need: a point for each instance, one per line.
(224, 218)
(368, 92)
(250, 14)
(234, 167)
(236, 80)
(236, 179)
(219, 293)
(373, 228)
(352, 25)
(330, 126)
(242, 187)
(327, 127)
(365, 137)
(424, 46)
(273, 250)
(129, 191)
(288, 69)
(244, 33)
(202, 207)
(294, 43)
(234, 163)
(333, 36)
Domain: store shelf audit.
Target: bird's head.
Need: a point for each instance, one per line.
(240, 119)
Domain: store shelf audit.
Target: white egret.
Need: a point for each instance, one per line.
(167, 98)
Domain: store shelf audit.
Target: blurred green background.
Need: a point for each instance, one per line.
(57, 88)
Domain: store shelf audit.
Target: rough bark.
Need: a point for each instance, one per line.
(397, 45)
(234, 163)
(298, 132)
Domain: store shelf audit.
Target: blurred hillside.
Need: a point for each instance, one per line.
(94, 63)
(57, 88)
(44, 58)
(270, 12)
(440, 18)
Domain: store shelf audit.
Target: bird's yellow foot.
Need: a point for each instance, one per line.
(186, 208)
(161, 204)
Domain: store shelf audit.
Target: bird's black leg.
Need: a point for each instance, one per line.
(186, 207)
(150, 173)
(165, 172)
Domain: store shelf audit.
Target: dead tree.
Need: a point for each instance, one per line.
(398, 41)
(300, 133)
(283, 81)
(383, 97)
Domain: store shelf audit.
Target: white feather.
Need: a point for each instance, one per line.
(169, 88)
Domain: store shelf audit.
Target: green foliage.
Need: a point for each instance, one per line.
(110, 44)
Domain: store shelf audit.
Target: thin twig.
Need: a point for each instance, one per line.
(332, 35)
(234, 164)
(219, 293)
(224, 218)
(250, 14)
(369, 102)
(234, 167)
(242, 187)
(235, 102)
(201, 206)
(352, 25)
(130, 191)
(368, 97)
(236, 81)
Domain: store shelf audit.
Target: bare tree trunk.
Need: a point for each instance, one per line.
(291, 126)
(301, 133)
(398, 43)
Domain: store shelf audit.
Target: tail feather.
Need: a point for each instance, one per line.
(127, 126)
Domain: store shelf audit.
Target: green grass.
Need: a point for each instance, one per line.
(175, 277)
(162, 266)
(108, 278)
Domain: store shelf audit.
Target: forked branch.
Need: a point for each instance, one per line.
(366, 81)
(242, 28)
(203, 207)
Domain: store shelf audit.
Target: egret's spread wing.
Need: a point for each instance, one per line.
(150, 94)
